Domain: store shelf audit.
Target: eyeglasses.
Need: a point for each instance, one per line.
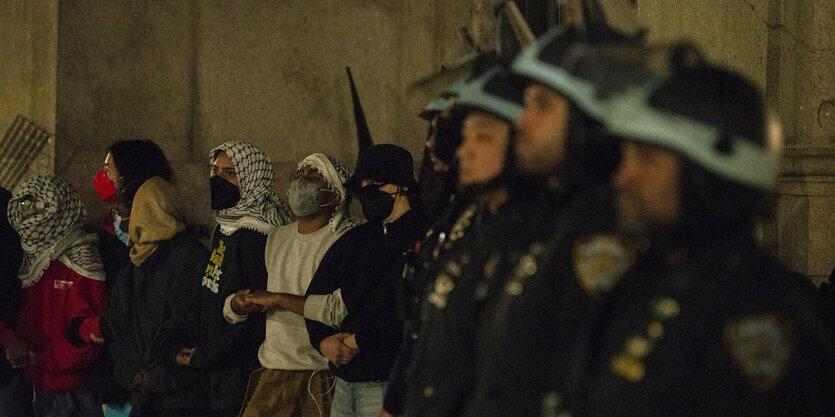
(30, 205)
(309, 174)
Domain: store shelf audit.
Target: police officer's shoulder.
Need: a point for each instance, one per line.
(778, 325)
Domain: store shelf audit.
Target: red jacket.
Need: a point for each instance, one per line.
(46, 309)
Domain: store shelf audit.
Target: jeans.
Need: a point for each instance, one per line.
(358, 399)
(78, 403)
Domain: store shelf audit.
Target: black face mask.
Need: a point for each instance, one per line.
(224, 193)
(376, 204)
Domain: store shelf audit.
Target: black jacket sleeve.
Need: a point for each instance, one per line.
(325, 281)
(185, 265)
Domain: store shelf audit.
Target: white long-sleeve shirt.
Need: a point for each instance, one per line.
(291, 259)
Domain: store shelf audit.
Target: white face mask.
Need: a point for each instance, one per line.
(303, 197)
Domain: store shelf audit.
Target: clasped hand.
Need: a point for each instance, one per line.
(243, 303)
(336, 350)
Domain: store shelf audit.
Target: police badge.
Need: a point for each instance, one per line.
(599, 262)
(762, 346)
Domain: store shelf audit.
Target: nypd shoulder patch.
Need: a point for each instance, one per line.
(599, 262)
(762, 347)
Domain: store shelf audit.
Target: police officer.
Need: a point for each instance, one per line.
(705, 323)
(535, 300)
(441, 366)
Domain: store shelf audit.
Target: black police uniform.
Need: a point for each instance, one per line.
(442, 238)
(716, 328)
(442, 361)
(442, 371)
(549, 293)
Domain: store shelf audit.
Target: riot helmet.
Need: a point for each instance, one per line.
(715, 119)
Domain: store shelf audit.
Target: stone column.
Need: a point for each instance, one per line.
(800, 86)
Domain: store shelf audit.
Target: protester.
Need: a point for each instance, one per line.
(127, 164)
(162, 281)
(246, 210)
(294, 379)
(366, 264)
(62, 278)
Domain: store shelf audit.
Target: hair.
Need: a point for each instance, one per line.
(138, 161)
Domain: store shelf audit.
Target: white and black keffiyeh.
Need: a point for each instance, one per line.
(54, 231)
(259, 208)
(335, 174)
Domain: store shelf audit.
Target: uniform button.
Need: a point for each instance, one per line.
(428, 391)
(527, 265)
(513, 288)
(414, 336)
(665, 308)
(655, 330)
(638, 347)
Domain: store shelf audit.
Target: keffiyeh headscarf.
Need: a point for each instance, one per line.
(53, 231)
(259, 208)
(335, 174)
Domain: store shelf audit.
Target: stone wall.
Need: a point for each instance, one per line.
(28, 59)
(193, 74)
(126, 71)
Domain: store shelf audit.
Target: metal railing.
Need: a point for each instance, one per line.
(21, 144)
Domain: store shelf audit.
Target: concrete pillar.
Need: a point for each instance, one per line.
(800, 85)
(28, 60)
